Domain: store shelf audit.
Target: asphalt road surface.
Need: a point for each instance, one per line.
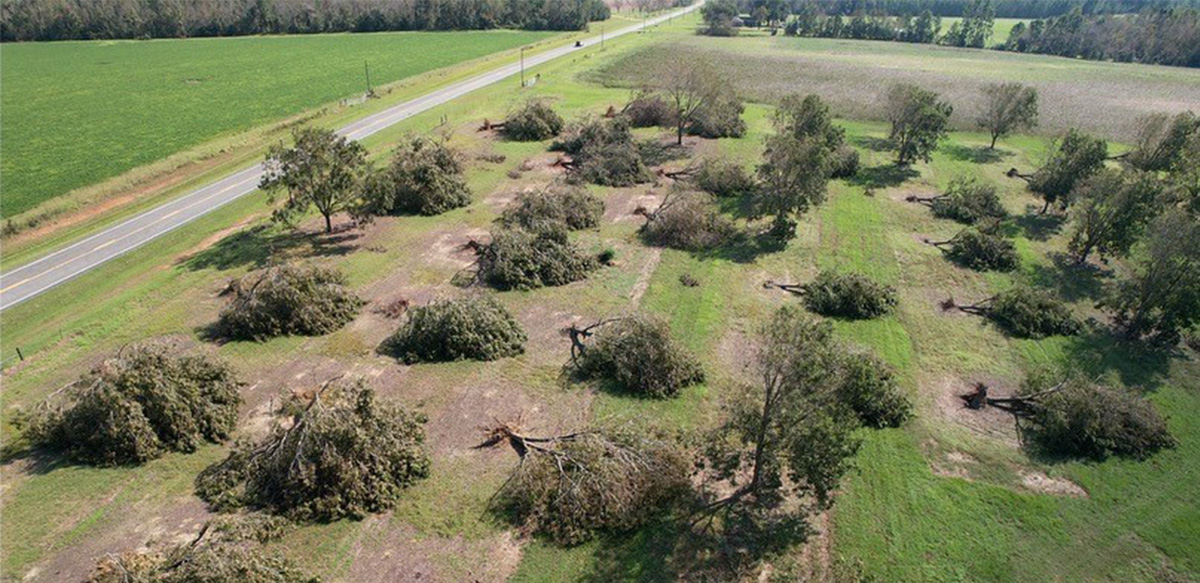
(36, 277)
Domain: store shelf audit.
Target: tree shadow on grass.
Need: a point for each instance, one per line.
(871, 143)
(647, 555)
(263, 245)
(1098, 351)
(1040, 227)
(1070, 281)
(746, 248)
(975, 154)
(885, 176)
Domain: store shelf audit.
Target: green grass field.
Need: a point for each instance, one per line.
(76, 113)
(945, 499)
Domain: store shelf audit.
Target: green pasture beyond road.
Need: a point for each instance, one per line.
(76, 113)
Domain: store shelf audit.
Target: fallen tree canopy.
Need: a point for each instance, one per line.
(475, 328)
(638, 354)
(138, 405)
(1080, 418)
(603, 152)
(722, 178)
(685, 220)
(218, 554)
(967, 201)
(345, 453)
(1025, 312)
(719, 117)
(518, 259)
(975, 249)
(532, 122)
(649, 109)
(287, 299)
(843, 295)
(557, 206)
(425, 177)
(572, 487)
(869, 387)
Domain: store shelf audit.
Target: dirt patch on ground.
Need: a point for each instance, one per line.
(139, 528)
(955, 464)
(450, 248)
(215, 238)
(1041, 483)
(620, 204)
(990, 422)
(736, 353)
(389, 553)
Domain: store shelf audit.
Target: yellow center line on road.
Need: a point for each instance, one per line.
(133, 232)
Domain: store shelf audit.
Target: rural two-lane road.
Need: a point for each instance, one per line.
(36, 277)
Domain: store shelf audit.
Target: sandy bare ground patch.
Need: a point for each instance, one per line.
(1039, 482)
(954, 464)
(620, 204)
(140, 526)
(389, 553)
(990, 422)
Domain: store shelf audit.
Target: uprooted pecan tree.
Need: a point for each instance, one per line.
(975, 249)
(138, 405)
(1024, 312)
(224, 551)
(637, 353)
(845, 295)
(571, 487)
(288, 299)
(474, 328)
(345, 453)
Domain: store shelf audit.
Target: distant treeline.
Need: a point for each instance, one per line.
(1161, 35)
(1165, 37)
(1003, 8)
(41, 20)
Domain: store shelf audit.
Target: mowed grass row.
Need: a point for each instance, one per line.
(905, 522)
(1099, 97)
(76, 113)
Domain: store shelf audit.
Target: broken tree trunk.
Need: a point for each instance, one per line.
(1014, 173)
(1017, 405)
(792, 288)
(925, 200)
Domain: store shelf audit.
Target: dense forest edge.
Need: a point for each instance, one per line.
(49, 20)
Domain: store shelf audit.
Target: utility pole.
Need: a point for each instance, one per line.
(601, 37)
(367, 67)
(522, 67)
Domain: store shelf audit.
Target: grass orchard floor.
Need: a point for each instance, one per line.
(949, 497)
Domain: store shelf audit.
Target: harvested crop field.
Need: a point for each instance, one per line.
(1103, 98)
